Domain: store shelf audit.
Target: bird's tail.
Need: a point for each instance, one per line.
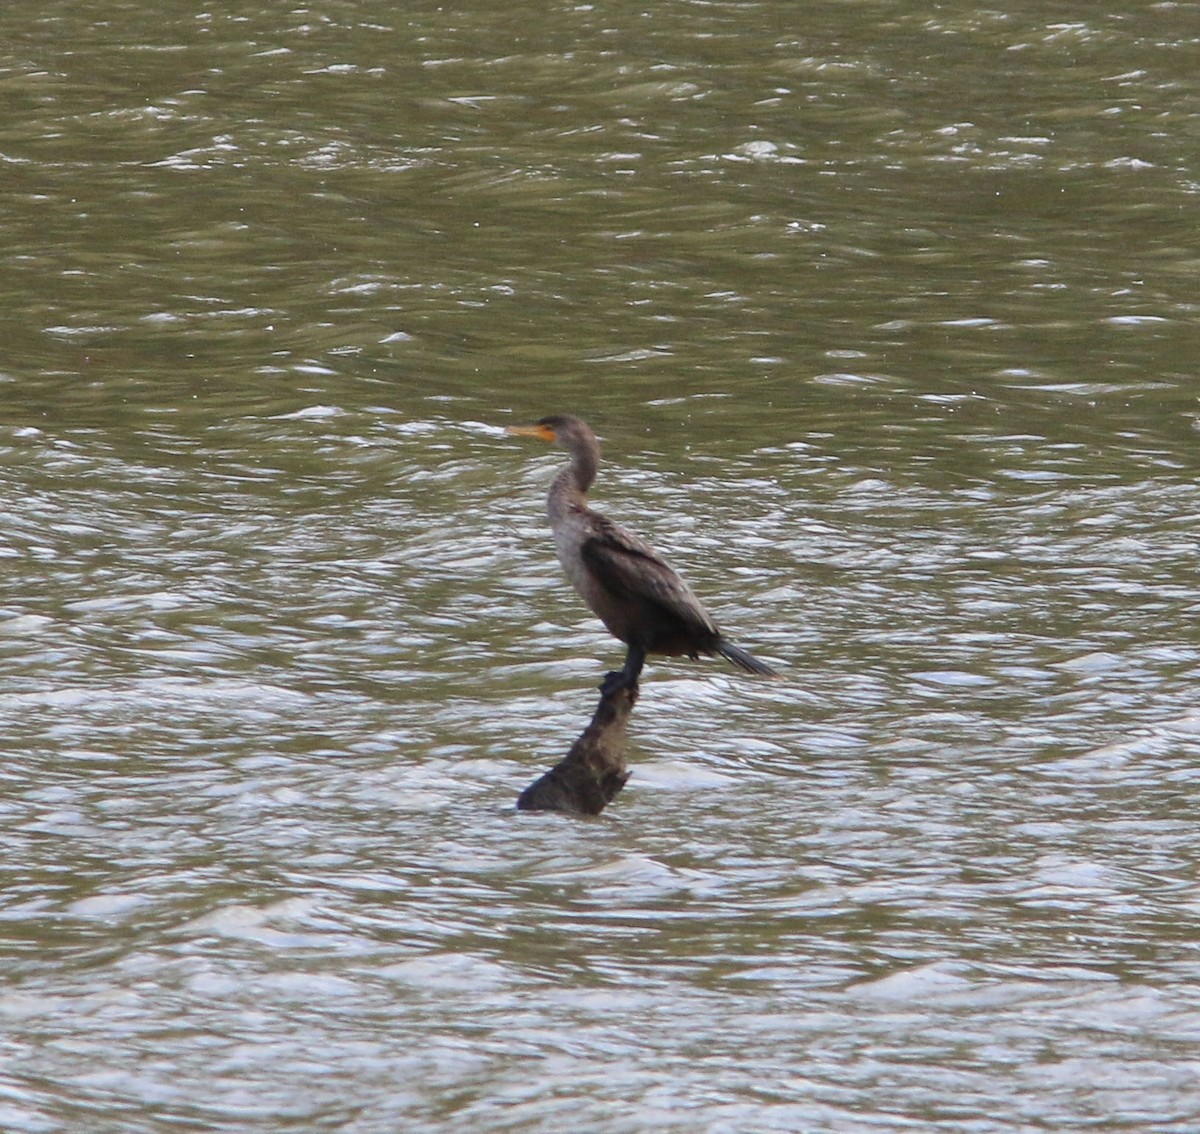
(744, 660)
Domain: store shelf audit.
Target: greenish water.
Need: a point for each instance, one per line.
(887, 316)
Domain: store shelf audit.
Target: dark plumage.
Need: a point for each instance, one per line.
(629, 586)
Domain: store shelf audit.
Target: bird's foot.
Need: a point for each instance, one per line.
(611, 683)
(614, 680)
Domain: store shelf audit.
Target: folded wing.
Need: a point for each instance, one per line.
(634, 573)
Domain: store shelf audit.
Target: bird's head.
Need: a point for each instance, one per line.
(561, 429)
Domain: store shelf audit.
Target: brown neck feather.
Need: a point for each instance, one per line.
(585, 460)
(573, 481)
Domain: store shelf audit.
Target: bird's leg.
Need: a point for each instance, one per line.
(635, 658)
(627, 677)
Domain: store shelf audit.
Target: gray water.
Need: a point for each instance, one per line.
(888, 317)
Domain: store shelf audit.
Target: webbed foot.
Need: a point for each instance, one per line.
(613, 680)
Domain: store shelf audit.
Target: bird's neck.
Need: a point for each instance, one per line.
(569, 490)
(584, 463)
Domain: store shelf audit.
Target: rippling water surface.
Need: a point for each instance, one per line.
(888, 321)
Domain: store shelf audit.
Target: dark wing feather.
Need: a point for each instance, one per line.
(632, 570)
